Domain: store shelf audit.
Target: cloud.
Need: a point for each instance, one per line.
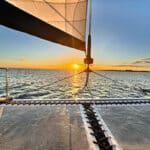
(127, 65)
(22, 59)
(139, 64)
(142, 61)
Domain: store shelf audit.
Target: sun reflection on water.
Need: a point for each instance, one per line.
(76, 84)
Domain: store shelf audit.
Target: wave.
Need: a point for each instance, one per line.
(31, 95)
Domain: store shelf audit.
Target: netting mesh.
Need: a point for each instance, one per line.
(66, 15)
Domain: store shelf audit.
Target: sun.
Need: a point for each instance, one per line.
(76, 66)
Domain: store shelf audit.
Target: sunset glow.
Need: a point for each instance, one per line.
(120, 41)
(76, 66)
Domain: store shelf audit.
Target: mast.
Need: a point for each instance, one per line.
(88, 60)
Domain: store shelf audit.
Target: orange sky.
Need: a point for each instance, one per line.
(119, 42)
(66, 61)
(66, 65)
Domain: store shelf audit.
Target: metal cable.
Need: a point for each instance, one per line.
(68, 77)
(115, 81)
(85, 86)
(104, 76)
(90, 92)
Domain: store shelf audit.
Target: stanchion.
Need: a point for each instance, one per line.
(6, 97)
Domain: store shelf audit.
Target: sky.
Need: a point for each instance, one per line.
(120, 40)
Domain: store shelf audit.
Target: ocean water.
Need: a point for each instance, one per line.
(39, 84)
(129, 124)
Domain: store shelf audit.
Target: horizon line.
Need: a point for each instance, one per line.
(61, 69)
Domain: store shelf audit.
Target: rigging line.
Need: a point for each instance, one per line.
(104, 76)
(61, 80)
(67, 78)
(85, 87)
(115, 81)
(89, 90)
(87, 84)
(79, 91)
(79, 20)
(87, 78)
(63, 18)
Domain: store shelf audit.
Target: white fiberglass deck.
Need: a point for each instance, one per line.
(59, 125)
(130, 125)
(42, 128)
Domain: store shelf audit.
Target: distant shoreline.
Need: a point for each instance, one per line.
(73, 70)
(126, 70)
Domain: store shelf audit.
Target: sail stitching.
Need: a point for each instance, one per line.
(74, 26)
(41, 13)
(64, 18)
(75, 11)
(78, 20)
(69, 3)
(66, 21)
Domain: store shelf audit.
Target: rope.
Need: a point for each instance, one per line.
(115, 81)
(90, 92)
(104, 76)
(85, 86)
(87, 78)
(68, 77)
(86, 82)
(83, 89)
(79, 91)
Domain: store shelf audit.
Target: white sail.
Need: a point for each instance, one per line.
(66, 15)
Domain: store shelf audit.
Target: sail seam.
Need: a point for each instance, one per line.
(61, 3)
(64, 18)
(67, 21)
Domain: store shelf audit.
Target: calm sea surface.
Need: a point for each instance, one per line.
(39, 84)
(129, 124)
